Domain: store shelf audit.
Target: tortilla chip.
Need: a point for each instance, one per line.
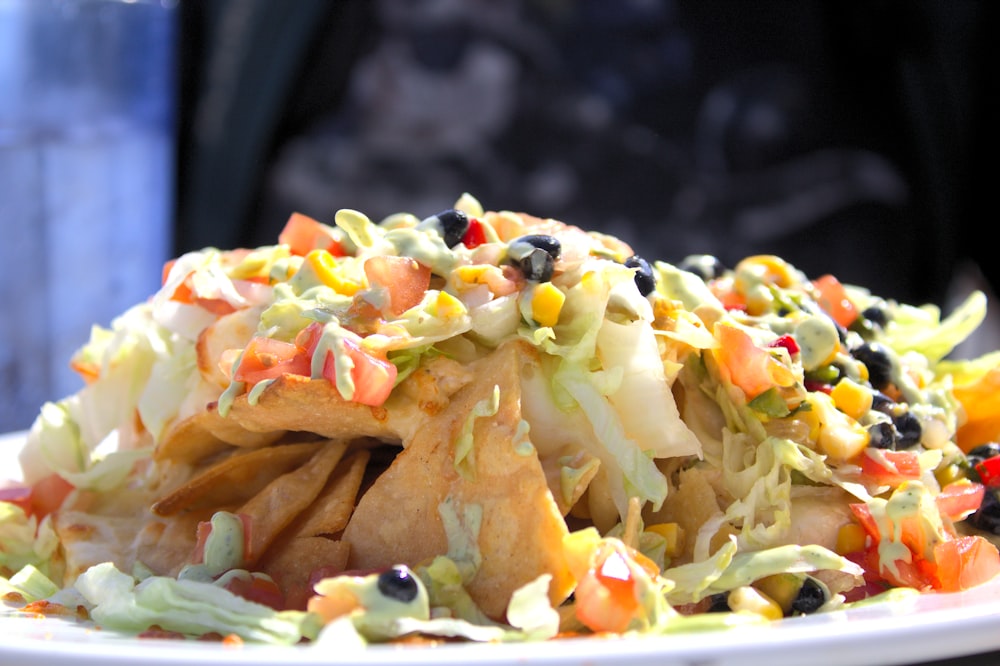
(520, 529)
(230, 331)
(331, 510)
(206, 433)
(236, 478)
(276, 506)
(296, 403)
(293, 565)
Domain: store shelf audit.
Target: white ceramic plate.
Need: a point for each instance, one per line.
(924, 629)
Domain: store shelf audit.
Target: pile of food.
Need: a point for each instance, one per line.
(494, 427)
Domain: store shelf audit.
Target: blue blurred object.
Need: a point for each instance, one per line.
(86, 180)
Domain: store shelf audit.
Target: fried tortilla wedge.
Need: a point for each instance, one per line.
(206, 433)
(329, 513)
(422, 500)
(298, 560)
(296, 403)
(236, 478)
(276, 506)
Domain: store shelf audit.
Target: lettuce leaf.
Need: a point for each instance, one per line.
(189, 607)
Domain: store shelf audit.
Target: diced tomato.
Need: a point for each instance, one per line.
(40, 499)
(956, 562)
(474, 235)
(786, 342)
(748, 366)
(267, 358)
(834, 300)
(259, 588)
(48, 494)
(724, 290)
(886, 467)
(989, 471)
(373, 377)
(965, 562)
(405, 279)
(606, 596)
(211, 301)
(17, 494)
(957, 500)
(302, 234)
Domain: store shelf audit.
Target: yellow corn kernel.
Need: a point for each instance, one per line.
(324, 267)
(446, 306)
(852, 398)
(749, 599)
(781, 588)
(768, 269)
(851, 538)
(473, 273)
(546, 303)
(840, 437)
(673, 534)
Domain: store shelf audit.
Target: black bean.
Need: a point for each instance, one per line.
(810, 598)
(987, 518)
(535, 255)
(644, 278)
(705, 266)
(876, 358)
(882, 435)
(982, 452)
(718, 603)
(883, 403)
(451, 224)
(876, 315)
(398, 583)
(909, 429)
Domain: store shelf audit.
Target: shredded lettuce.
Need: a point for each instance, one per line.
(728, 569)
(189, 607)
(24, 542)
(920, 329)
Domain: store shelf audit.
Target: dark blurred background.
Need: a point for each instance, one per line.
(855, 138)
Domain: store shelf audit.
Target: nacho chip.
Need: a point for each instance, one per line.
(207, 433)
(276, 506)
(399, 519)
(299, 560)
(331, 510)
(235, 479)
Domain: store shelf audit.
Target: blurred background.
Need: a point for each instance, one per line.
(853, 138)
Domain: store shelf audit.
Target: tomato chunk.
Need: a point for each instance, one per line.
(405, 280)
(965, 562)
(302, 234)
(373, 377)
(890, 467)
(267, 358)
(48, 494)
(19, 495)
(834, 300)
(957, 500)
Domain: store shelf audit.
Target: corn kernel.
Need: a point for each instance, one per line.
(781, 588)
(850, 539)
(840, 437)
(751, 600)
(852, 398)
(673, 534)
(472, 274)
(446, 306)
(324, 267)
(546, 303)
